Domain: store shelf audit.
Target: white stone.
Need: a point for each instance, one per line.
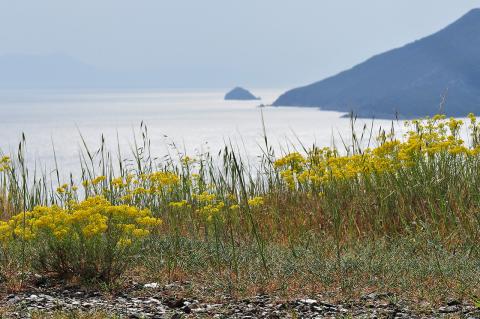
(151, 285)
(309, 301)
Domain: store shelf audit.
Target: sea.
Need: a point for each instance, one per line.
(178, 122)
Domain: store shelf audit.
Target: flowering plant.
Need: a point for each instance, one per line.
(92, 239)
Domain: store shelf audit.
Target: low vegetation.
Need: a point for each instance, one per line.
(388, 213)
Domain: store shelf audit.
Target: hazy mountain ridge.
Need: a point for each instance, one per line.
(410, 80)
(52, 71)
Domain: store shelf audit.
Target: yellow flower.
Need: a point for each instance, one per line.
(124, 242)
(138, 232)
(255, 202)
(92, 218)
(294, 161)
(186, 160)
(211, 210)
(139, 191)
(234, 207)
(163, 178)
(128, 228)
(98, 180)
(180, 204)
(118, 182)
(5, 159)
(4, 163)
(148, 221)
(204, 197)
(126, 198)
(61, 233)
(5, 232)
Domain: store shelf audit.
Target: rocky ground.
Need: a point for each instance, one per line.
(153, 301)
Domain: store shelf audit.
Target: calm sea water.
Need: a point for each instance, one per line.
(195, 120)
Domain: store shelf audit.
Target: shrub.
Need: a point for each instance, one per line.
(92, 239)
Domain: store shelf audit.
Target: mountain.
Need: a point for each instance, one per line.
(53, 71)
(62, 71)
(239, 93)
(45, 71)
(410, 81)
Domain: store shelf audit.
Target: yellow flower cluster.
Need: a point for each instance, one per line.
(156, 183)
(66, 189)
(425, 139)
(204, 197)
(255, 202)
(132, 188)
(4, 163)
(81, 221)
(162, 179)
(209, 205)
(180, 204)
(98, 180)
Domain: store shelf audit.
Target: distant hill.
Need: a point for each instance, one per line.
(62, 71)
(410, 80)
(46, 71)
(52, 71)
(239, 93)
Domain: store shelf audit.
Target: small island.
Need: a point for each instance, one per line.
(239, 93)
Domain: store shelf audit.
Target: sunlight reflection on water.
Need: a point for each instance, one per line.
(196, 121)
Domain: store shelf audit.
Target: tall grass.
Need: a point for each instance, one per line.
(278, 222)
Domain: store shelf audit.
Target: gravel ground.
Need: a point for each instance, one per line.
(153, 301)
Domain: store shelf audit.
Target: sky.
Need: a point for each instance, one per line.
(260, 43)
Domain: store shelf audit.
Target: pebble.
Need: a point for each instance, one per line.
(449, 309)
(152, 285)
(147, 303)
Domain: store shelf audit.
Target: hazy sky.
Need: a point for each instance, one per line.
(267, 43)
